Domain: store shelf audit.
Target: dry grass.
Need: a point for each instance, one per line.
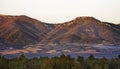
(16, 51)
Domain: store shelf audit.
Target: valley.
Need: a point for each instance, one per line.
(51, 50)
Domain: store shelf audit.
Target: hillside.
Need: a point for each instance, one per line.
(23, 30)
(84, 30)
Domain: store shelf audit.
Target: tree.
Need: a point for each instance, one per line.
(98, 66)
(50, 64)
(62, 56)
(91, 57)
(80, 59)
(105, 66)
(3, 63)
(119, 56)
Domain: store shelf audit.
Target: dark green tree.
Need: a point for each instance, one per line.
(91, 57)
(3, 62)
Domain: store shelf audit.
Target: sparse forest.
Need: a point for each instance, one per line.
(62, 62)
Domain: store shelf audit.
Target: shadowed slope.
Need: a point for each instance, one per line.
(22, 29)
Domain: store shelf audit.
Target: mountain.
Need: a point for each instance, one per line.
(22, 30)
(84, 30)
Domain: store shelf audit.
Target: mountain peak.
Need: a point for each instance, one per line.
(85, 19)
(13, 17)
(22, 29)
(81, 20)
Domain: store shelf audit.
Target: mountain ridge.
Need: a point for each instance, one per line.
(24, 30)
(72, 31)
(22, 27)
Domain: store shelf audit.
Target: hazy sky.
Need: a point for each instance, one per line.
(58, 11)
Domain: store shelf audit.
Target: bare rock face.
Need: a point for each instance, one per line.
(23, 30)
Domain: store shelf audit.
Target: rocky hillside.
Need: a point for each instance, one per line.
(84, 30)
(23, 30)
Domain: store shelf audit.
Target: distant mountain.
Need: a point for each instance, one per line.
(84, 30)
(23, 30)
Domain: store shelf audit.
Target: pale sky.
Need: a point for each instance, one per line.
(58, 11)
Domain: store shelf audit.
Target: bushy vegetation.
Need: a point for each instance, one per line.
(62, 62)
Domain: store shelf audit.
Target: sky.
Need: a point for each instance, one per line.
(58, 11)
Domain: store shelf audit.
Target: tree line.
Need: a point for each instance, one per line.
(61, 62)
